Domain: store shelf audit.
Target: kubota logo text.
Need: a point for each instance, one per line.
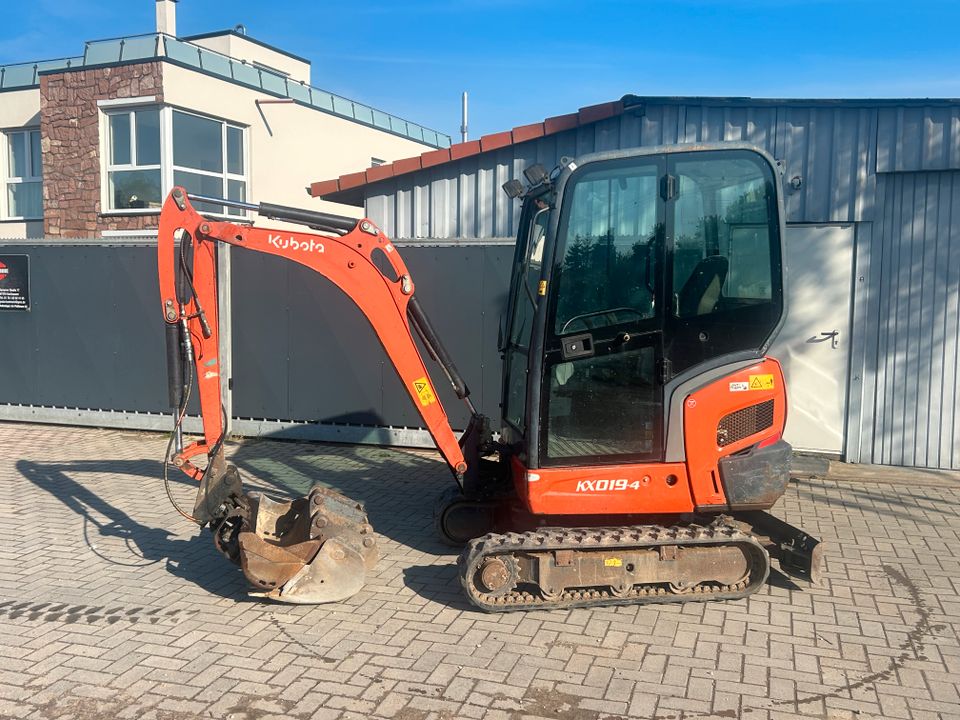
(291, 243)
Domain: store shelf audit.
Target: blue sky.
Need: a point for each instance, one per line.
(523, 61)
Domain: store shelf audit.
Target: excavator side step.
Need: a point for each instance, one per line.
(586, 567)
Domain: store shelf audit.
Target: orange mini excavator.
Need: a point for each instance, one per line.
(639, 442)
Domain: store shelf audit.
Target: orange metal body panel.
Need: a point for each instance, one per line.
(344, 260)
(604, 489)
(643, 488)
(702, 411)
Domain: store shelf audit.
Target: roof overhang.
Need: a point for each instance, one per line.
(353, 188)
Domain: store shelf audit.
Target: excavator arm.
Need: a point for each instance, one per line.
(314, 549)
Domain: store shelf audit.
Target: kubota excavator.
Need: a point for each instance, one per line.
(639, 442)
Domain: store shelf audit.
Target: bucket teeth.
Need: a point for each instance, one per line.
(314, 549)
(336, 573)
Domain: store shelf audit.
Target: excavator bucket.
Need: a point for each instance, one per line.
(315, 549)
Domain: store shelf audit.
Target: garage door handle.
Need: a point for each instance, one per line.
(833, 335)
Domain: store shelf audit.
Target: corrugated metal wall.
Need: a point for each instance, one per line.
(907, 323)
(832, 149)
(881, 164)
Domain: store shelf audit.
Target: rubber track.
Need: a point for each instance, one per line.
(633, 537)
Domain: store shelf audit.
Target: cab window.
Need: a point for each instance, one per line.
(521, 325)
(608, 269)
(726, 290)
(722, 220)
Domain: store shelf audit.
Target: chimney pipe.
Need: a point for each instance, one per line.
(167, 17)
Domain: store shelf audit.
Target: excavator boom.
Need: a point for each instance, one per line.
(292, 549)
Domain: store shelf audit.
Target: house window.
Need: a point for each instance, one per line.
(208, 159)
(24, 175)
(134, 178)
(150, 150)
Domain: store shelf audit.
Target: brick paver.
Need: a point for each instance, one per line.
(111, 605)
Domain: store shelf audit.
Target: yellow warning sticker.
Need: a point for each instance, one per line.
(761, 382)
(542, 288)
(612, 562)
(424, 391)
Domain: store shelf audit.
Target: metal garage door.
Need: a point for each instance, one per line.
(905, 412)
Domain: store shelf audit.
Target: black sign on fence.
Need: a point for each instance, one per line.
(15, 282)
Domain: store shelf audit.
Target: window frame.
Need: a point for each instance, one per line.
(166, 166)
(564, 236)
(106, 143)
(774, 259)
(225, 175)
(745, 327)
(8, 179)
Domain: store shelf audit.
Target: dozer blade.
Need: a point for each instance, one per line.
(798, 552)
(315, 549)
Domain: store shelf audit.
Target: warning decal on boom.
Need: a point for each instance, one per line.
(424, 391)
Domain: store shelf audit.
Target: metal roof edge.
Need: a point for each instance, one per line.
(349, 189)
(261, 43)
(346, 189)
(630, 101)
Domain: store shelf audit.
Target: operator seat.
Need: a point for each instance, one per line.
(701, 291)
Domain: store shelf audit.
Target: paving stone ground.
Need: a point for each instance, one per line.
(111, 605)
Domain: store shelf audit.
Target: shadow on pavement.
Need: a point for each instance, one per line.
(438, 583)
(397, 488)
(193, 559)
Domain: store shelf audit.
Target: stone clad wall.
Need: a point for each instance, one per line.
(70, 137)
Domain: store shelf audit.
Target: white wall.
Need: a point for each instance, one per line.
(18, 109)
(240, 48)
(290, 145)
(18, 229)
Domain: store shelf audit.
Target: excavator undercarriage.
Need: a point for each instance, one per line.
(719, 558)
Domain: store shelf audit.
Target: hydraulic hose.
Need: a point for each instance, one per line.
(435, 347)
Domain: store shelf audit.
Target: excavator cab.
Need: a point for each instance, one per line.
(640, 439)
(633, 272)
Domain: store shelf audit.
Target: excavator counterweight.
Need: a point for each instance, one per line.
(640, 440)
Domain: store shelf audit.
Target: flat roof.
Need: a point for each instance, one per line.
(166, 48)
(244, 36)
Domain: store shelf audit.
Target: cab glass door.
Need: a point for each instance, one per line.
(723, 239)
(528, 264)
(601, 394)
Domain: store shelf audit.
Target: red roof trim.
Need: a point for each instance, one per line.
(593, 113)
(324, 187)
(352, 180)
(559, 123)
(464, 149)
(434, 157)
(406, 165)
(494, 141)
(380, 172)
(527, 132)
